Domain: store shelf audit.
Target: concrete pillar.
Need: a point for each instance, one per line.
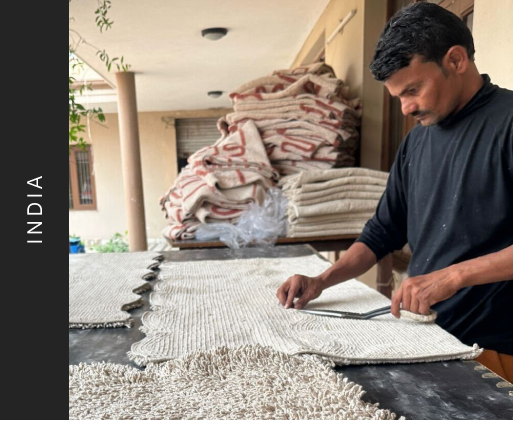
(131, 161)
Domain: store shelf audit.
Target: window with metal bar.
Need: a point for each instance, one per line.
(82, 194)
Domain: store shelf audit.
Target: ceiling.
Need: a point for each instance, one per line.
(175, 67)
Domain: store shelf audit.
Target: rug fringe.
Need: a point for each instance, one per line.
(127, 323)
(138, 359)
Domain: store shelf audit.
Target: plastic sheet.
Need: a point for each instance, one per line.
(260, 225)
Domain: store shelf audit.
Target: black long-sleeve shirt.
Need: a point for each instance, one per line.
(450, 196)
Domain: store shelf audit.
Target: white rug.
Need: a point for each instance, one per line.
(199, 306)
(244, 383)
(102, 286)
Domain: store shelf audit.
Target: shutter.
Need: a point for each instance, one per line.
(192, 134)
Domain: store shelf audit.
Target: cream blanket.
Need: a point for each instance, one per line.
(340, 192)
(330, 228)
(332, 178)
(326, 233)
(320, 219)
(242, 150)
(338, 196)
(288, 167)
(306, 103)
(279, 86)
(333, 207)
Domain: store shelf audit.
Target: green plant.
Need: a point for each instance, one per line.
(78, 111)
(116, 244)
(76, 237)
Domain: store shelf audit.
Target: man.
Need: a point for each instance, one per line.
(450, 190)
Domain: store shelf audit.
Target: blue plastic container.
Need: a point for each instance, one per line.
(75, 246)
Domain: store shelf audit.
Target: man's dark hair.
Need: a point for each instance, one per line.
(423, 29)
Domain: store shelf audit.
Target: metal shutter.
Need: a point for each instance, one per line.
(192, 134)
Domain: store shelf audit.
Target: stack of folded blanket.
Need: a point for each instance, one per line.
(303, 115)
(219, 183)
(332, 202)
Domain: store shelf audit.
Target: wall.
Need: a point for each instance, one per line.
(493, 39)
(372, 90)
(350, 54)
(159, 166)
(345, 52)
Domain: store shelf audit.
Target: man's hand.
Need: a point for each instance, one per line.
(303, 287)
(419, 293)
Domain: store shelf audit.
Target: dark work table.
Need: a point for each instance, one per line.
(439, 390)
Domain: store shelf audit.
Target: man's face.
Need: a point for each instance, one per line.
(426, 92)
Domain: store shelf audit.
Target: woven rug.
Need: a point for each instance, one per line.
(102, 286)
(245, 383)
(199, 306)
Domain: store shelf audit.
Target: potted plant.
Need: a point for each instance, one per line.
(76, 245)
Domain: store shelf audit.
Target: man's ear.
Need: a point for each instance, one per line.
(456, 59)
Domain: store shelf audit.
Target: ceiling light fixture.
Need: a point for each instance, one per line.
(215, 94)
(213, 34)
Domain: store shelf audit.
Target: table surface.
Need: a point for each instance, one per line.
(440, 390)
(344, 240)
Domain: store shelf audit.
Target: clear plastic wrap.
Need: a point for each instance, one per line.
(260, 225)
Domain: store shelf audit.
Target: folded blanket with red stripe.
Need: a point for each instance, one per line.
(219, 183)
(304, 116)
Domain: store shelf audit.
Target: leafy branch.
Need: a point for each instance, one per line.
(120, 65)
(102, 21)
(76, 110)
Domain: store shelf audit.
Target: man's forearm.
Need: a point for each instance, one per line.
(486, 269)
(357, 260)
(419, 293)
